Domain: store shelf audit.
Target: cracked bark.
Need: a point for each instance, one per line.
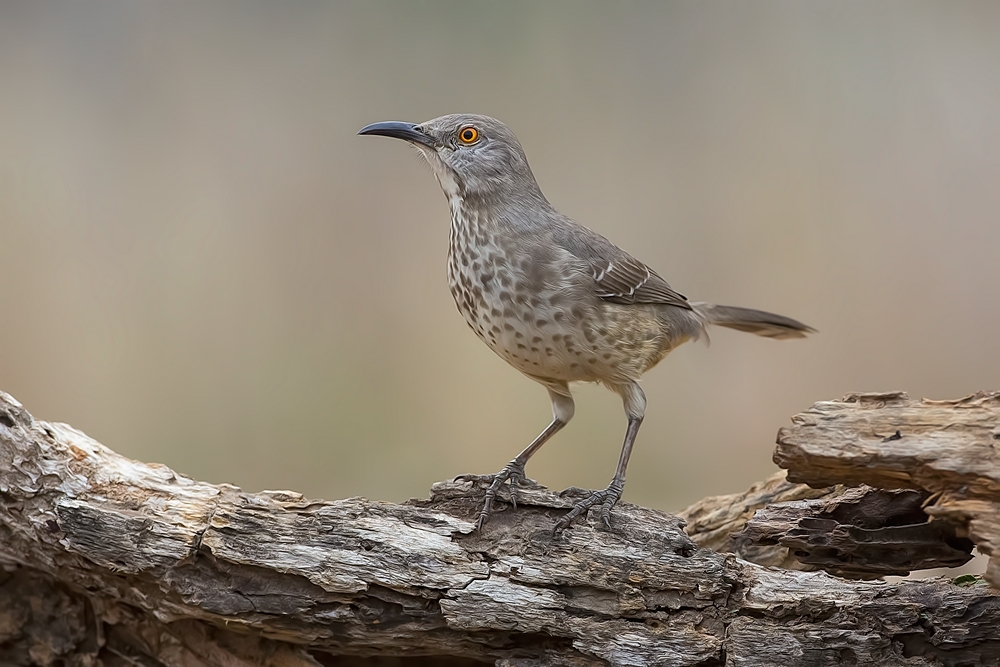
(949, 451)
(108, 561)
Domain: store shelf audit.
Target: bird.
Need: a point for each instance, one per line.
(557, 301)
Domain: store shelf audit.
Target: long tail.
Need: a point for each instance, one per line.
(753, 321)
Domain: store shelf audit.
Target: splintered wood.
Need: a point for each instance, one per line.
(950, 450)
(109, 561)
(893, 442)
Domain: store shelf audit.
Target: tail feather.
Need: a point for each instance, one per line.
(753, 321)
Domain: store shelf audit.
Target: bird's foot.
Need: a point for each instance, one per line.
(513, 471)
(606, 498)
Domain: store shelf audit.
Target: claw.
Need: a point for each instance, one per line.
(473, 478)
(609, 502)
(607, 498)
(514, 472)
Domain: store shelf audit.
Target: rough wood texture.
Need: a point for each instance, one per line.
(951, 449)
(715, 522)
(862, 533)
(107, 561)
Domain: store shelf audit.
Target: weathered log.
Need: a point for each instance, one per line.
(715, 522)
(114, 562)
(863, 532)
(950, 449)
(860, 532)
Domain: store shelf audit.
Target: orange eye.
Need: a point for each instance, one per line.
(468, 135)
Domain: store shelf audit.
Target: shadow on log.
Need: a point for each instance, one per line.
(107, 561)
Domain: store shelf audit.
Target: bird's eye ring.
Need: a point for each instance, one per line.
(468, 135)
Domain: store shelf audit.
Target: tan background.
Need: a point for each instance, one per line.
(202, 264)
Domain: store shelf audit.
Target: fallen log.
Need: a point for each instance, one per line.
(950, 450)
(115, 562)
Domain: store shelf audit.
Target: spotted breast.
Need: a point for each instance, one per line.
(538, 320)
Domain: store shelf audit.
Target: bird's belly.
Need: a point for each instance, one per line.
(546, 332)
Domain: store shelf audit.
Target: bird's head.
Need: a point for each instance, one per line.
(472, 156)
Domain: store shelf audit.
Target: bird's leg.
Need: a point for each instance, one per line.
(513, 471)
(635, 408)
(612, 494)
(562, 412)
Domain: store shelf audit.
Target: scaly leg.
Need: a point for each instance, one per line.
(635, 407)
(562, 411)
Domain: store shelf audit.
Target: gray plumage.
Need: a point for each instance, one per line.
(554, 299)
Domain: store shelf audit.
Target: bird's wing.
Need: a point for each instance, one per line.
(625, 279)
(619, 277)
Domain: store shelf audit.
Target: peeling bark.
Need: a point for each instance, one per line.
(949, 449)
(861, 533)
(107, 561)
(715, 522)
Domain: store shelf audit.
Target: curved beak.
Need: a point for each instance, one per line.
(398, 130)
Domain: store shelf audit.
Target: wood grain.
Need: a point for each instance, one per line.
(114, 562)
(950, 449)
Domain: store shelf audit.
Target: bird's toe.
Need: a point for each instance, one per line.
(606, 498)
(513, 473)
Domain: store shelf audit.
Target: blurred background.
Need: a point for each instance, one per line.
(203, 265)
